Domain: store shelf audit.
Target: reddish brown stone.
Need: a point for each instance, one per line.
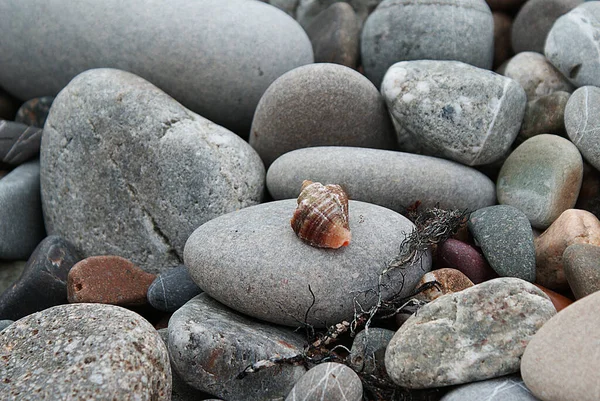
(505, 5)
(109, 280)
(467, 259)
(502, 44)
(448, 281)
(560, 302)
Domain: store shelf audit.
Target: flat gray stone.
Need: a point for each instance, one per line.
(128, 171)
(318, 105)
(210, 345)
(506, 388)
(273, 272)
(83, 351)
(544, 115)
(328, 381)
(506, 239)
(475, 334)
(401, 30)
(581, 264)
(542, 178)
(21, 220)
(217, 58)
(572, 44)
(582, 122)
(453, 110)
(395, 180)
(368, 350)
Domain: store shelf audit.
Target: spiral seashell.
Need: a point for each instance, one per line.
(321, 218)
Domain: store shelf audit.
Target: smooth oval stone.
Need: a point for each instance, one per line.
(146, 171)
(502, 46)
(463, 257)
(35, 111)
(536, 75)
(559, 301)
(582, 268)
(172, 289)
(476, 334)
(453, 110)
(401, 30)
(160, 44)
(542, 178)
(446, 281)
(43, 281)
(84, 351)
(18, 142)
(21, 220)
(506, 239)
(276, 274)
(395, 180)
(506, 388)
(293, 114)
(572, 226)
(561, 360)
(572, 44)
(544, 115)
(328, 381)
(368, 350)
(210, 345)
(534, 21)
(583, 122)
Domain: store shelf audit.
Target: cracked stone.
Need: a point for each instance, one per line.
(172, 289)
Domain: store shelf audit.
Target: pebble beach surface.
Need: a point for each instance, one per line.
(152, 156)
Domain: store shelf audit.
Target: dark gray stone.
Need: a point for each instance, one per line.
(172, 289)
(475, 334)
(334, 35)
(542, 178)
(21, 220)
(252, 261)
(318, 105)
(368, 350)
(244, 46)
(43, 282)
(35, 111)
(10, 271)
(8, 105)
(289, 6)
(18, 142)
(328, 381)
(544, 115)
(394, 180)
(83, 351)
(582, 121)
(506, 239)
(453, 110)
(506, 388)
(210, 345)
(127, 171)
(582, 268)
(400, 30)
(5, 323)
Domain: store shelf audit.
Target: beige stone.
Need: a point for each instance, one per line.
(448, 281)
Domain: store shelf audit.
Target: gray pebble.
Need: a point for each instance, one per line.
(172, 289)
(368, 350)
(582, 121)
(505, 388)
(18, 142)
(582, 268)
(328, 381)
(544, 115)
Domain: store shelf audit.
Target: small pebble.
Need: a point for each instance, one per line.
(368, 350)
(559, 301)
(581, 263)
(328, 381)
(172, 289)
(505, 388)
(447, 281)
(35, 111)
(465, 258)
(582, 121)
(18, 142)
(544, 115)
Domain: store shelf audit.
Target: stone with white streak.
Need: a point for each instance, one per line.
(506, 388)
(582, 121)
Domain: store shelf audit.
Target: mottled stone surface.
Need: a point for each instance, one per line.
(109, 280)
(83, 351)
(172, 289)
(395, 180)
(502, 46)
(210, 345)
(475, 334)
(506, 239)
(18, 142)
(573, 42)
(402, 30)
(465, 258)
(581, 263)
(572, 227)
(506, 388)
(319, 105)
(146, 171)
(328, 381)
(582, 121)
(21, 220)
(561, 361)
(43, 282)
(453, 110)
(276, 273)
(542, 178)
(368, 350)
(158, 43)
(35, 111)
(446, 281)
(544, 115)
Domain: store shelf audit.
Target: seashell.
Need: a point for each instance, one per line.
(321, 218)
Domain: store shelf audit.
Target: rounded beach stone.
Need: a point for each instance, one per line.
(465, 258)
(536, 75)
(506, 388)
(476, 334)
(84, 351)
(334, 35)
(109, 280)
(368, 350)
(560, 362)
(502, 46)
(395, 180)
(146, 171)
(447, 281)
(506, 239)
(317, 105)
(278, 276)
(572, 44)
(21, 220)
(328, 381)
(158, 43)
(35, 111)
(572, 227)
(542, 178)
(210, 345)
(534, 20)
(401, 30)
(544, 115)
(582, 268)
(583, 122)
(172, 289)
(453, 110)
